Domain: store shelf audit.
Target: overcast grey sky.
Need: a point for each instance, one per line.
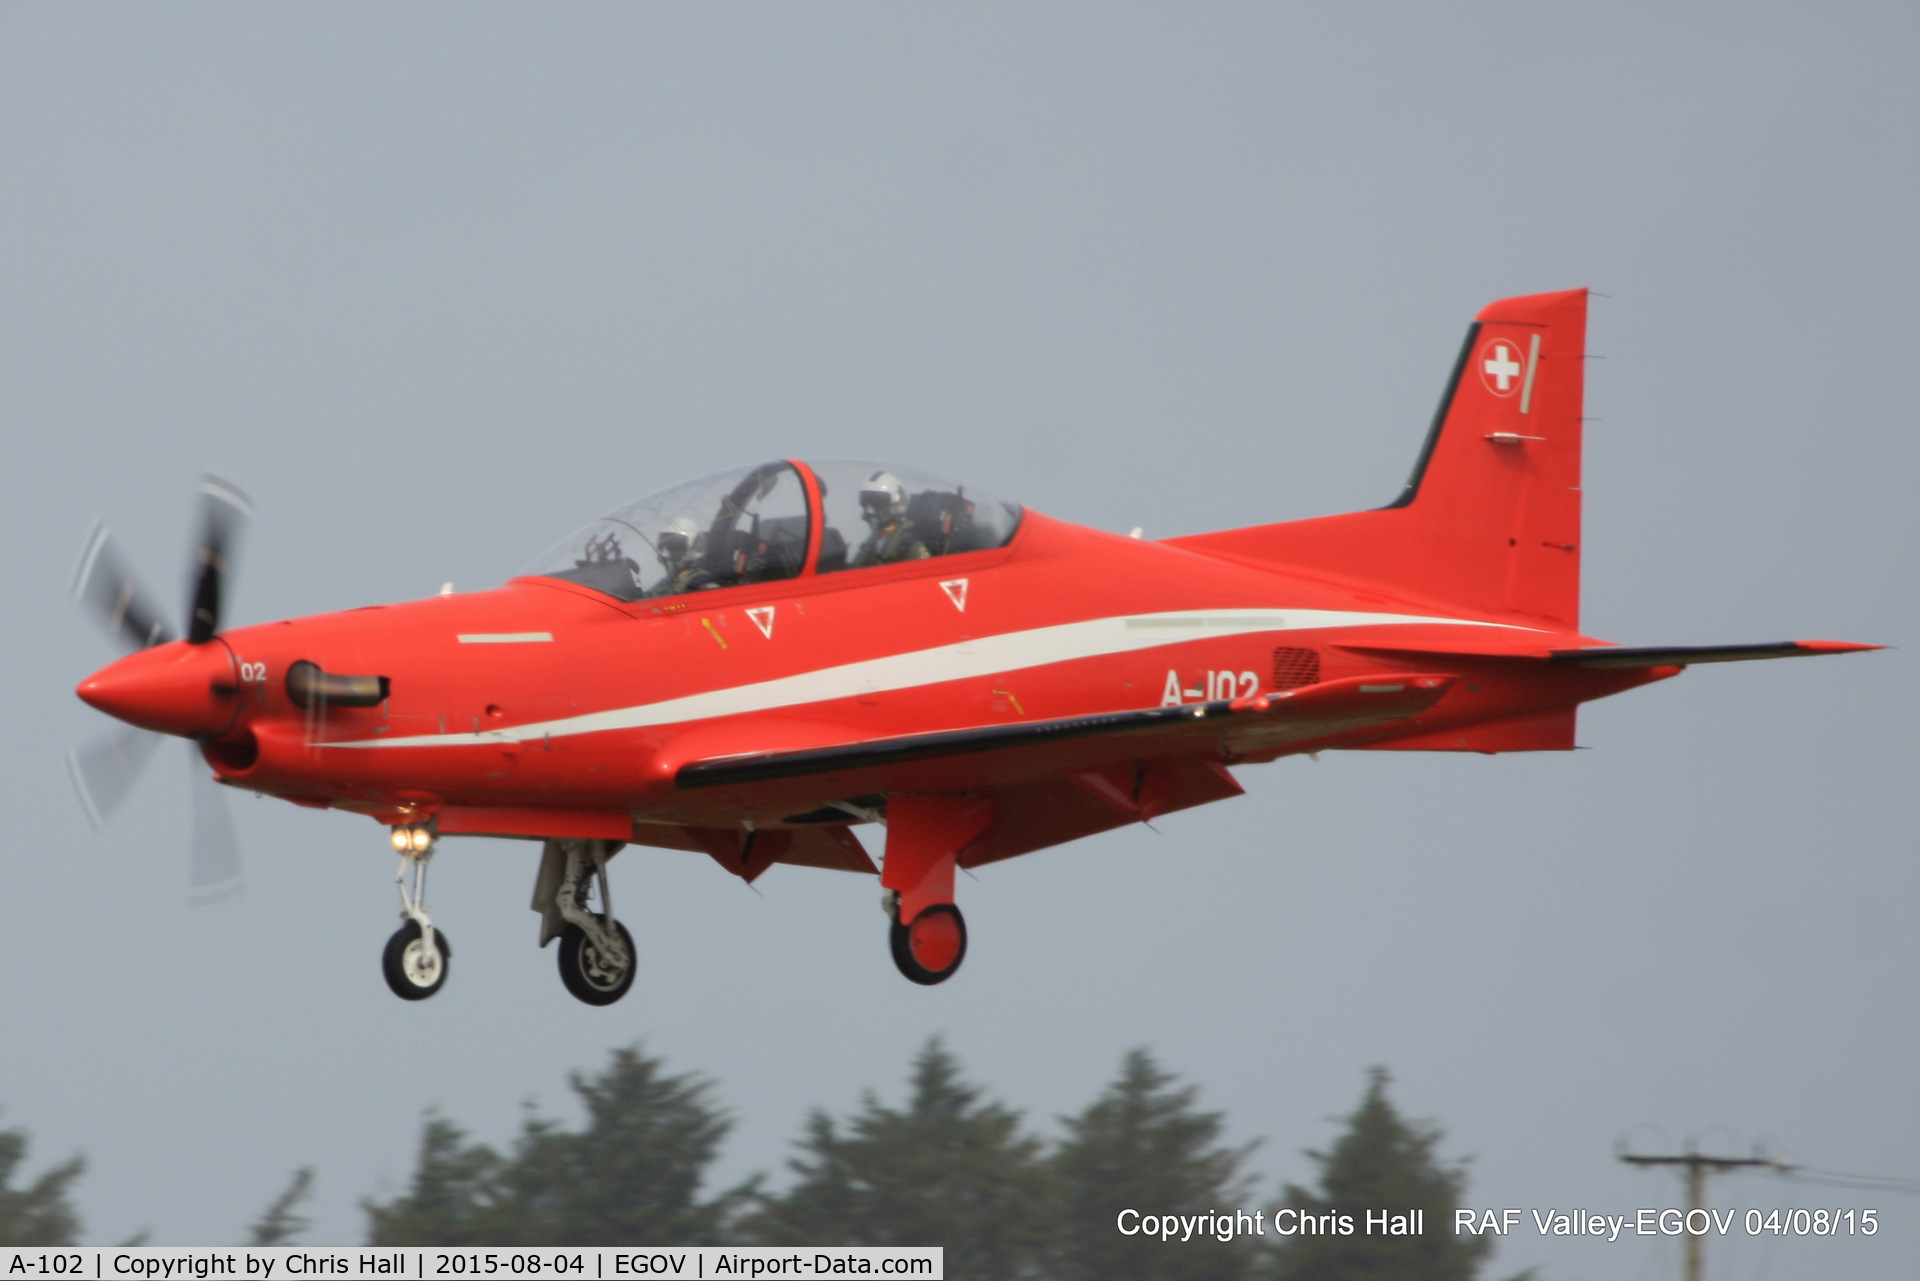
(441, 283)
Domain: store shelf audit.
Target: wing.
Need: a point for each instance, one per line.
(1618, 656)
(747, 854)
(1036, 749)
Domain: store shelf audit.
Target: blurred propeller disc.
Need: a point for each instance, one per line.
(105, 586)
(105, 770)
(224, 511)
(214, 873)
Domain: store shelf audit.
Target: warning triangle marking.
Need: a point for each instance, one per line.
(763, 619)
(956, 590)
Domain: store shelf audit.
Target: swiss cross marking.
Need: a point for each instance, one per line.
(1501, 366)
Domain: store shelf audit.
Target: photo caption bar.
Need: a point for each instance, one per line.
(365, 1263)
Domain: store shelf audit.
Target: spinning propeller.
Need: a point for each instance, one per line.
(105, 770)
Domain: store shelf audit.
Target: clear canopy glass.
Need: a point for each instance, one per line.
(750, 525)
(878, 513)
(743, 526)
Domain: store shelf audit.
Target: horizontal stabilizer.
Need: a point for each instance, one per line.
(1616, 656)
(1262, 722)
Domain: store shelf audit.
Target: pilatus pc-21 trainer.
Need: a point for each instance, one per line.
(756, 665)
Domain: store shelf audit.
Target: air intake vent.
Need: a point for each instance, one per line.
(1293, 668)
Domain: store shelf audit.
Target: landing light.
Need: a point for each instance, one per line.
(412, 840)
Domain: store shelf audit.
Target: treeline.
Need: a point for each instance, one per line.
(951, 1167)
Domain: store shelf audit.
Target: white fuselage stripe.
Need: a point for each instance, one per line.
(982, 656)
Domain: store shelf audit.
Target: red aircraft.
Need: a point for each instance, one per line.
(752, 665)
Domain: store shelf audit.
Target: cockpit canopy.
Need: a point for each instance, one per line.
(756, 524)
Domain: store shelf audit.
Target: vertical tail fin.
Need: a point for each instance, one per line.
(1490, 518)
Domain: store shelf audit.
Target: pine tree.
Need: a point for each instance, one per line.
(1142, 1146)
(451, 1198)
(632, 1177)
(947, 1170)
(39, 1214)
(1381, 1163)
(278, 1224)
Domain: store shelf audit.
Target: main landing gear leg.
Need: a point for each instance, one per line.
(925, 837)
(597, 957)
(415, 962)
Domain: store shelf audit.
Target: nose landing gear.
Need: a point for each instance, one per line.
(415, 960)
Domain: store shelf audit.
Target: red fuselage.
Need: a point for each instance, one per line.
(547, 695)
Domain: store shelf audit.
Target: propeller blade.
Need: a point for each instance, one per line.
(224, 511)
(105, 770)
(103, 584)
(215, 870)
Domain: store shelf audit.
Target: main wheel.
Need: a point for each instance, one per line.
(930, 949)
(415, 970)
(589, 973)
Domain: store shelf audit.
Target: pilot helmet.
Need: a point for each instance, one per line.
(676, 540)
(881, 497)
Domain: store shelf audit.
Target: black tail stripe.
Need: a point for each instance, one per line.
(1439, 420)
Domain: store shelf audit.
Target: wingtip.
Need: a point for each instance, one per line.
(1835, 646)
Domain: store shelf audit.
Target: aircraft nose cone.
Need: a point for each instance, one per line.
(176, 688)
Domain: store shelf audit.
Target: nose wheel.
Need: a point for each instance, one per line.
(930, 948)
(415, 965)
(415, 961)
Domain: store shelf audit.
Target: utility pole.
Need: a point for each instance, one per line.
(1698, 1167)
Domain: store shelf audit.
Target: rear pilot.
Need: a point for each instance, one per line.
(883, 505)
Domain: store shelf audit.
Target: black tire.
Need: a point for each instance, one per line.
(584, 974)
(410, 972)
(901, 938)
